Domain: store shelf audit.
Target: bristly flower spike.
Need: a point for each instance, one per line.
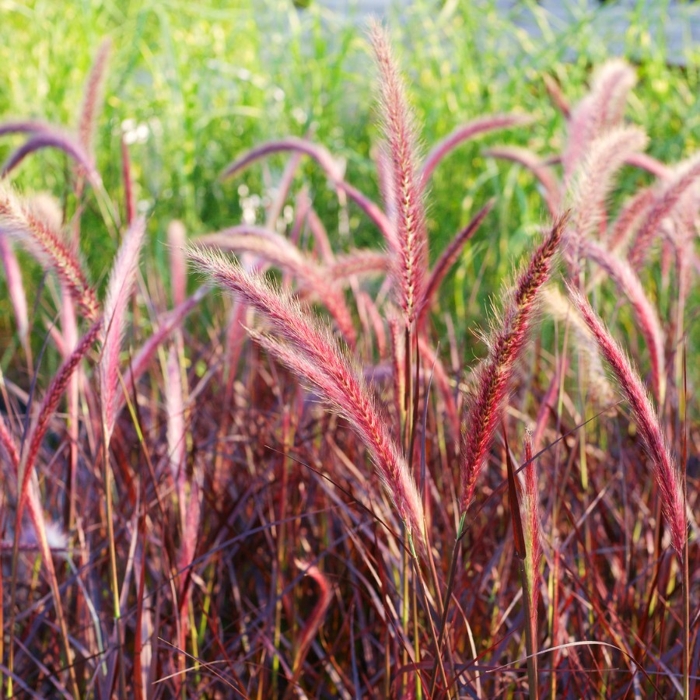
(92, 96)
(118, 292)
(494, 376)
(665, 469)
(36, 233)
(310, 351)
(400, 134)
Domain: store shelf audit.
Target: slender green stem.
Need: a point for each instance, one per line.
(416, 636)
(530, 639)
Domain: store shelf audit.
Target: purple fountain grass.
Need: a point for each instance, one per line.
(318, 614)
(398, 358)
(168, 324)
(494, 376)
(465, 132)
(36, 515)
(630, 285)
(386, 187)
(188, 498)
(15, 289)
(447, 259)
(22, 463)
(629, 218)
(532, 536)
(47, 208)
(682, 238)
(598, 145)
(175, 423)
(666, 470)
(323, 157)
(92, 96)
(70, 333)
(309, 350)
(283, 187)
(673, 192)
(590, 188)
(318, 231)
(235, 338)
(281, 252)
(602, 109)
(367, 304)
(292, 143)
(128, 180)
(21, 222)
(9, 445)
(177, 240)
(612, 83)
(52, 137)
(605, 156)
(655, 167)
(301, 209)
(399, 128)
(78, 147)
(560, 308)
(121, 283)
(556, 95)
(192, 506)
(269, 245)
(40, 424)
(24, 126)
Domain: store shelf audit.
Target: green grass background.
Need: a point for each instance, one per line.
(206, 80)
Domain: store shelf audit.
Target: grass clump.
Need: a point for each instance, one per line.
(203, 526)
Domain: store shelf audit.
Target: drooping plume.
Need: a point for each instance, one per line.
(602, 109)
(92, 96)
(401, 144)
(118, 292)
(649, 324)
(310, 351)
(39, 236)
(665, 468)
(680, 184)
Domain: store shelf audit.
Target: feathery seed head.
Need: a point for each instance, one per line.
(665, 469)
(118, 292)
(310, 351)
(560, 308)
(630, 285)
(177, 238)
(602, 109)
(683, 182)
(401, 144)
(495, 374)
(25, 224)
(93, 95)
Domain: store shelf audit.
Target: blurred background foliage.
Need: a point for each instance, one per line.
(192, 85)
